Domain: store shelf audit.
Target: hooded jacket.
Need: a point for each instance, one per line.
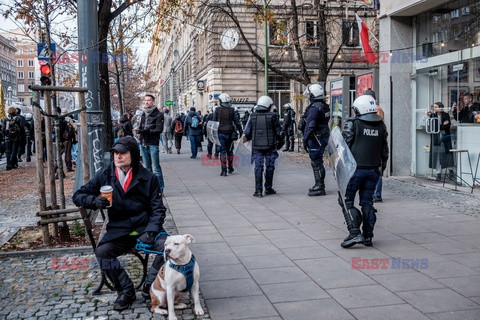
(138, 209)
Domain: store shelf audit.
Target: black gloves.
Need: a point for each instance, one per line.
(101, 202)
(147, 237)
(305, 145)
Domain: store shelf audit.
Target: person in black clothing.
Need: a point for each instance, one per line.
(289, 127)
(245, 119)
(466, 111)
(193, 129)
(441, 142)
(366, 136)
(23, 135)
(30, 135)
(137, 209)
(177, 130)
(125, 127)
(263, 128)
(12, 126)
(229, 124)
(316, 134)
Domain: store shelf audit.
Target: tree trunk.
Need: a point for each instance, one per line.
(323, 51)
(104, 86)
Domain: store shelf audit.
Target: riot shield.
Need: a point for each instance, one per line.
(212, 132)
(341, 159)
(243, 157)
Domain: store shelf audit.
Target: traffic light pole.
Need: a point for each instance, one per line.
(89, 75)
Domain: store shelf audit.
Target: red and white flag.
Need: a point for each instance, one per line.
(363, 31)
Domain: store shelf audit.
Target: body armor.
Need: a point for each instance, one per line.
(263, 130)
(225, 119)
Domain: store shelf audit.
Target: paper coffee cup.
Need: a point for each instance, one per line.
(107, 192)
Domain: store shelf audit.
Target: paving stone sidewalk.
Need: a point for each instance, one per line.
(279, 257)
(49, 286)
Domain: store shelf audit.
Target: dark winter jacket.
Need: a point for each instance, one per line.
(317, 116)
(188, 129)
(151, 126)
(139, 209)
(126, 126)
(174, 124)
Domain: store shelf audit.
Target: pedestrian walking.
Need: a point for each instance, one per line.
(366, 136)
(193, 129)
(150, 129)
(177, 129)
(125, 126)
(229, 129)
(136, 209)
(316, 134)
(289, 127)
(12, 131)
(263, 128)
(167, 131)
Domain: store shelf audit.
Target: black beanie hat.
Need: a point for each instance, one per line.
(128, 143)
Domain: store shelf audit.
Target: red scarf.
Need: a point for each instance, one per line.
(128, 178)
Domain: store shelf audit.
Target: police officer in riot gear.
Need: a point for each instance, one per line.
(366, 136)
(30, 135)
(262, 128)
(228, 125)
(289, 127)
(316, 134)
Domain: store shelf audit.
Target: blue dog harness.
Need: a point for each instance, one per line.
(187, 271)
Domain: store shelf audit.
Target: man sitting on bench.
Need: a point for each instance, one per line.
(136, 210)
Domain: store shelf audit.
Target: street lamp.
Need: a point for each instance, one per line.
(9, 95)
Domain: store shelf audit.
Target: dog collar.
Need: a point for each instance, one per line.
(186, 270)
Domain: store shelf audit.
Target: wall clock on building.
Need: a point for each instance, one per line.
(229, 39)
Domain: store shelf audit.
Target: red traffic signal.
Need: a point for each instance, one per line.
(45, 70)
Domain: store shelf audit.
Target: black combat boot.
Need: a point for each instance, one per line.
(353, 219)
(124, 299)
(319, 188)
(124, 286)
(369, 219)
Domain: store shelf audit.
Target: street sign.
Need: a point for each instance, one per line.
(458, 67)
(169, 103)
(42, 50)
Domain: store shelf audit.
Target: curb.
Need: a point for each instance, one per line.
(45, 252)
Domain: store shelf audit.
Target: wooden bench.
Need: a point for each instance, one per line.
(89, 216)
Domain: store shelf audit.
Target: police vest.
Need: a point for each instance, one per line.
(322, 124)
(263, 130)
(225, 119)
(368, 143)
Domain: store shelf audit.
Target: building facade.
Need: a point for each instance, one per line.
(8, 70)
(435, 60)
(196, 62)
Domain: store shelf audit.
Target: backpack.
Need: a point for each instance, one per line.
(13, 128)
(195, 122)
(178, 126)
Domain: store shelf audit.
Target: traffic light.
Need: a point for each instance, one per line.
(45, 73)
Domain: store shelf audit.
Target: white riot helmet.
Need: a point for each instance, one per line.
(28, 116)
(287, 106)
(225, 100)
(314, 92)
(264, 103)
(364, 105)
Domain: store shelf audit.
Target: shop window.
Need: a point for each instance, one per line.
(350, 34)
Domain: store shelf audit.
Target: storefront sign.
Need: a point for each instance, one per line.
(458, 67)
(240, 99)
(200, 85)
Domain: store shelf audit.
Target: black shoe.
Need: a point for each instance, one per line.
(124, 300)
(258, 193)
(291, 150)
(29, 159)
(270, 191)
(285, 150)
(352, 240)
(146, 292)
(377, 199)
(230, 170)
(316, 191)
(178, 151)
(192, 157)
(20, 160)
(223, 173)
(368, 241)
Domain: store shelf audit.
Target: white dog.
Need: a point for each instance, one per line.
(179, 274)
